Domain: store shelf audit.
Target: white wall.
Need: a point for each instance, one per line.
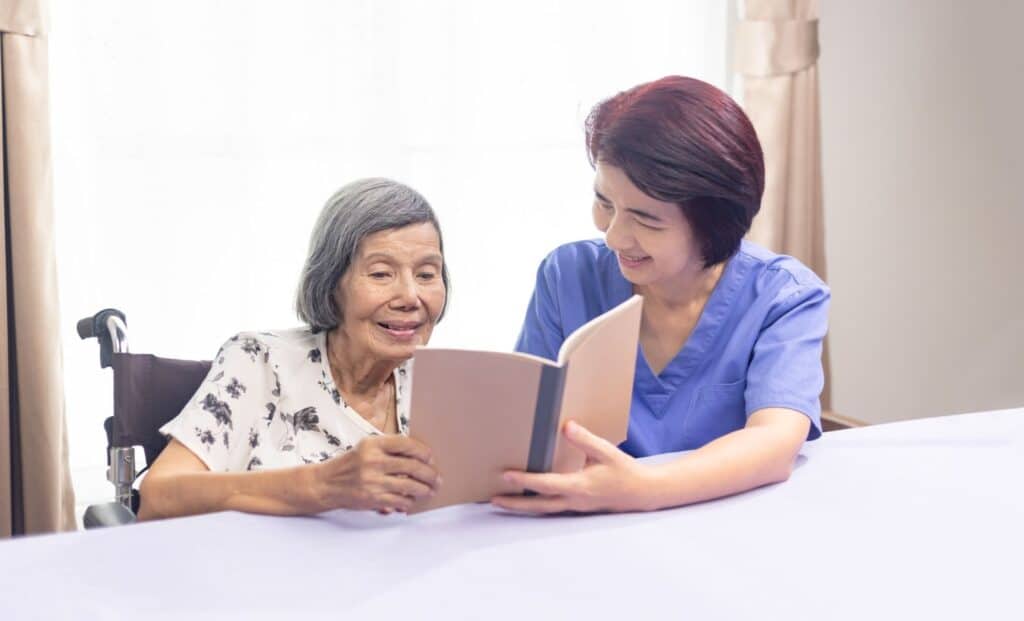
(923, 146)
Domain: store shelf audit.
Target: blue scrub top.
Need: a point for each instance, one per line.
(756, 345)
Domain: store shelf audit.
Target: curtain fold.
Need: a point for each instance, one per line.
(777, 55)
(35, 482)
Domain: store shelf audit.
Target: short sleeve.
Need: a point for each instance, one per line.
(785, 370)
(541, 334)
(221, 423)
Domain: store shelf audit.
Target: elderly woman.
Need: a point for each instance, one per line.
(304, 420)
(729, 366)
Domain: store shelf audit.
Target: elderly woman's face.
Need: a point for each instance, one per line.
(651, 238)
(392, 293)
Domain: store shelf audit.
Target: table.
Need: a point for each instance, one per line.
(920, 519)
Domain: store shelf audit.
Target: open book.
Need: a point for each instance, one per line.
(482, 412)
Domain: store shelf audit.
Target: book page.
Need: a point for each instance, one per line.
(601, 360)
(474, 409)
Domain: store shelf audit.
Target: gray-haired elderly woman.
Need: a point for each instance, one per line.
(309, 419)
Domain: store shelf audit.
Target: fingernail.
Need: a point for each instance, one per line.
(508, 477)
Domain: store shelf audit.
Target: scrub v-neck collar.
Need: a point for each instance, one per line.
(658, 389)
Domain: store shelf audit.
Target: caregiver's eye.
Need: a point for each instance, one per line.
(646, 225)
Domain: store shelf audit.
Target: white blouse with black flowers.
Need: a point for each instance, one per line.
(269, 401)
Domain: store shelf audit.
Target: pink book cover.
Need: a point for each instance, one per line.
(482, 412)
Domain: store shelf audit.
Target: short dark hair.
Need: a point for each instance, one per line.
(354, 212)
(684, 141)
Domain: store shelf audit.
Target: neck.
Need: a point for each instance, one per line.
(683, 291)
(356, 372)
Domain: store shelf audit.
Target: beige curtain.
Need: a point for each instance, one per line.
(777, 55)
(35, 483)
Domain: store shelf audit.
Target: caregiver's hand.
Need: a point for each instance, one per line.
(610, 481)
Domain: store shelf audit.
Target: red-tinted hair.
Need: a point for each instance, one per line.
(684, 141)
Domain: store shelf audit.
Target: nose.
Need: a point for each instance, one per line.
(618, 236)
(406, 294)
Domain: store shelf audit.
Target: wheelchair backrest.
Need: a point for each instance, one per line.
(148, 392)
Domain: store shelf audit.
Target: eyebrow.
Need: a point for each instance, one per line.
(387, 258)
(640, 213)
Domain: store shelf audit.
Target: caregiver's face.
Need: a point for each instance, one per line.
(392, 293)
(652, 239)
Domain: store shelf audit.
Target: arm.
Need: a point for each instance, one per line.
(761, 453)
(384, 473)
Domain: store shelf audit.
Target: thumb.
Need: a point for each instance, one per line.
(596, 448)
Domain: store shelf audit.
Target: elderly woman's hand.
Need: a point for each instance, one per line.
(384, 473)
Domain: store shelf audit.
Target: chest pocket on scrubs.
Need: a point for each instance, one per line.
(717, 409)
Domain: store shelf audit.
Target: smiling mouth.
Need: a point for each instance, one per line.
(625, 258)
(401, 330)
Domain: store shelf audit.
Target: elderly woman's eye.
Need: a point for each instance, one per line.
(379, 275)
(427, 275)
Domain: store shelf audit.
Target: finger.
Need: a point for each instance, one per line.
(393, 502)
(531, 504)
(407, 487)
(547, 483)
(408, 447)
(595, 447)
(412, 468)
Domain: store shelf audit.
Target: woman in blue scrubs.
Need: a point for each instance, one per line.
(729, 364)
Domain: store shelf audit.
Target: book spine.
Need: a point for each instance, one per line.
(544, 436)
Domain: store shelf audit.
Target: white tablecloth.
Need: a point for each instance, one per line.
(915, 520)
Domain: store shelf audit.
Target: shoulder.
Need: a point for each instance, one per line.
(262, 345)
(779, 275)
(580, 258)
(773, 286)
(586, 252)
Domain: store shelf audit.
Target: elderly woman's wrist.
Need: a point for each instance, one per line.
(311, 488)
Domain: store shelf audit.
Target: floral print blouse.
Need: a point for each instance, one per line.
(270, 401)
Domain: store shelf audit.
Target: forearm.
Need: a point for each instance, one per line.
(275, 492)
(737, 462)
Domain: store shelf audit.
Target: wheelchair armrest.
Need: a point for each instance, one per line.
(107, 514)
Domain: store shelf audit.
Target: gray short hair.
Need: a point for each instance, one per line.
(358, 209)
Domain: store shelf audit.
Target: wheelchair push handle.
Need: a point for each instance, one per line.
(109, 327)
(85, 328)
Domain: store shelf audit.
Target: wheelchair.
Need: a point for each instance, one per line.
(148, 392)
